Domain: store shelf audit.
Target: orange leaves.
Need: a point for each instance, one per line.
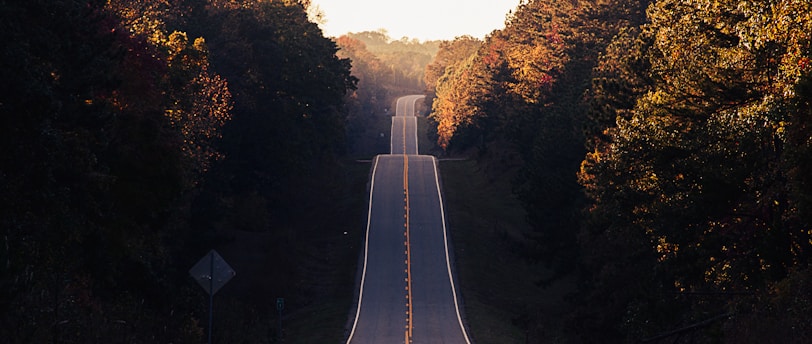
(199, 100)
(196, 101)
(534, 67)
(698, 151)
(209, 110)
(493, 56)
(538, 50)
(666, 249)
(456, 75)
(449, 54)
(519, 65)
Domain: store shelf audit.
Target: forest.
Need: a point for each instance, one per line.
(385, 69)
(661, 150)
(136, 135)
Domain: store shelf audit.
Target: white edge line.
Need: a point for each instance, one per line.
(416, 149)
(366, 252)
(447, 260)
(414, 112)
(392, 136)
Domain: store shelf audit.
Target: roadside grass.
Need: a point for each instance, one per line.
(424, 144)
(503, 302)
(329, 265)
(309, 261)
(501, 299)
(366, 140)
(329, 262)
(370, 137)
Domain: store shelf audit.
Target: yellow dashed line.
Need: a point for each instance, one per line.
(408, 246)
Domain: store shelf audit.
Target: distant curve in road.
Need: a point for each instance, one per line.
(407, 292)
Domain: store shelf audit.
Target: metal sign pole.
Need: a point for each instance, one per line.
(211, 274)
(280, 304)
(211, 294)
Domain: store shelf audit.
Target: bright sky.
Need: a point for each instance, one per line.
(421, 19)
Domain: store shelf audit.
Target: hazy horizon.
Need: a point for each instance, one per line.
(421, 19)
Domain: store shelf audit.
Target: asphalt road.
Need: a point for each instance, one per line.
(407, 292)
(404, 127)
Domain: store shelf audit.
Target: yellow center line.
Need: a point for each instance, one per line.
(407, 243)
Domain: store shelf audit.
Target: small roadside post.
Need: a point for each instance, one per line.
(212, 273)
(280, 305)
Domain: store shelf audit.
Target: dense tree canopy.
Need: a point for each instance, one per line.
(693, 115)
(373, 75)
(700, 161)
(451, 79)
(406, 58)
(520, 94)
(661, 149)
(121, 122)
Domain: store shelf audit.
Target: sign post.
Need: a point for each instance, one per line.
(280, 305)
(212, 273)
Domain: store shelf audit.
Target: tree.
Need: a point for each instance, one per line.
(200, 102)
(92, 170)
(288, 88)
(111, 122)
(449, 54)
(405, 58)
(372, 94)
(693, 170)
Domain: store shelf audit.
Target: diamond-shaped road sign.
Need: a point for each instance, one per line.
(212, 272)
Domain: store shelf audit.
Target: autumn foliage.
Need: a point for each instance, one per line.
(121, 122)
(664, 159)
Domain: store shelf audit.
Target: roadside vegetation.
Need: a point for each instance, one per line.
(138, 135)
(629, 170)
(498, 283)
(660, 151)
